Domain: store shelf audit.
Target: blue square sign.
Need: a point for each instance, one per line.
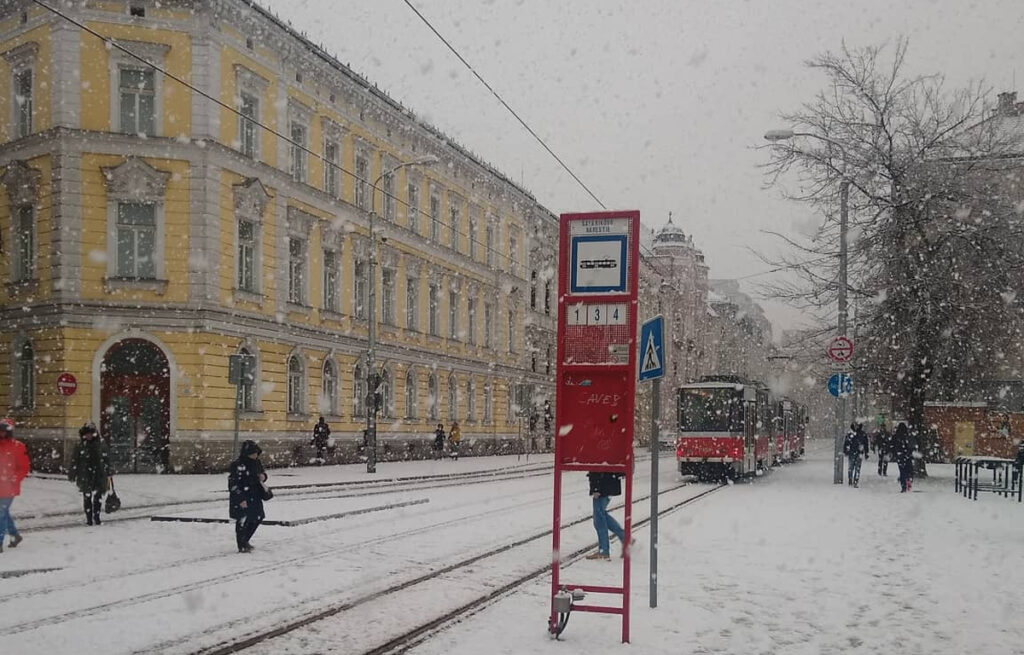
(652, 350)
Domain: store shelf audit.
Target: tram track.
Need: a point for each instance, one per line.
(411, 637)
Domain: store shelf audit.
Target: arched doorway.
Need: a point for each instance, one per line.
(135, 401)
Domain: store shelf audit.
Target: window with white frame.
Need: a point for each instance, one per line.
(435, 218)
(297, 133)
(412, 303)
(510, 403)
(248, 117)
(137, 98)
(454, 220)
(358, 392)
(387, 190)
(489, 244)
(511, 331)
(412, 212)
(433, 398)
(24, 246)
(297, 270)
(332, 170)
(362, 181)
(547, 364)
(488, 325)
(329, 389)
(22, 97)
(453, 315)
(360, 286)
(249, 385)
(470, 401)
(296, 385)
(488, 405)
(387, 296)
(453, 398)
(387, 393)
(471, 320)
(547, 297)
(434, 310)
(533, 290)
(472, 238)
(24, 376)
(136, 240)
(411, 400)
(247, 268)
(332, 281)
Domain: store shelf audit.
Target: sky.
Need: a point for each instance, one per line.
(658, 105)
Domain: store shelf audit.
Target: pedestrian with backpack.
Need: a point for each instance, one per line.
(14, 466)
(90, 471)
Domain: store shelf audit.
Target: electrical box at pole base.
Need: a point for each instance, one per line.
(595, 380)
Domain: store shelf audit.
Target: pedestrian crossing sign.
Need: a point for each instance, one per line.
(652, 351)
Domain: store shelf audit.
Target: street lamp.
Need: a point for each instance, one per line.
(844, 201)
(372, 379)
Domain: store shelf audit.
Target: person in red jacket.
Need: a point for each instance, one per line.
(13, 469)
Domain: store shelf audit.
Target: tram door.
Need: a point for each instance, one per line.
(135, 401)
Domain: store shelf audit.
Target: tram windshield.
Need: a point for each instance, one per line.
(710, 410)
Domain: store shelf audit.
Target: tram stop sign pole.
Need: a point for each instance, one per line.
(595, 382)
(652, 367)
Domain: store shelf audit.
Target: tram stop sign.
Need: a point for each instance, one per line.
(66, 384)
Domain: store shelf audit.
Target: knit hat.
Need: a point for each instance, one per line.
(250, 447)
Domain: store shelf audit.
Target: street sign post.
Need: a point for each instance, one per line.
(840, 350)
(840, 385)
(652, 367)
(595, 379)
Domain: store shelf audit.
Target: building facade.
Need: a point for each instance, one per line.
(150, 231)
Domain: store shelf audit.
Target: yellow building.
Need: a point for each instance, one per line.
(151, 230)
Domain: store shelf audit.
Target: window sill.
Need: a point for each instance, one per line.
(295, 308)
(135, 284)
(299, 418)
(250, 415)
(330, 315)
(30, 286)
(241, 295)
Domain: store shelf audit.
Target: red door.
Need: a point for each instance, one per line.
(135, 386)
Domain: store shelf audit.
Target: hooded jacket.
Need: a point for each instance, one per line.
(245, 483)
(14, 467)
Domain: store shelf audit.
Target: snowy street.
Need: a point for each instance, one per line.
(787, 563)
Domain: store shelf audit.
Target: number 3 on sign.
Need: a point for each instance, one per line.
(597, 315)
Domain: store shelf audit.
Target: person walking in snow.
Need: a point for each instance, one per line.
(247, 486)
(14, 466)
(439, 441)
(883, 448)
(903, 454)
(454, 438)
(321, 439)
(602, 487)
(855, 447)
(90, 470)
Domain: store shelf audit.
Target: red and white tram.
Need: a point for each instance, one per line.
(725, 428)
(789, 428)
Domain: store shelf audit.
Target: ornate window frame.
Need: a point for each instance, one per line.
(135, 181)
(154, 53)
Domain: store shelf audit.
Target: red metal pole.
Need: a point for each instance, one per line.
(556, 541)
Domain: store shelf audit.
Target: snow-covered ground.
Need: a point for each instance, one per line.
(788, 563)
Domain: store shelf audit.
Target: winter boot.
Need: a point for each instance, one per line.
(15, 540)
(87, 504)
(96, 511)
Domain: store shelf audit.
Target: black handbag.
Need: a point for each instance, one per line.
(113, 503)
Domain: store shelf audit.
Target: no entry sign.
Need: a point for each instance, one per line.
(840, 350)
(66, 384)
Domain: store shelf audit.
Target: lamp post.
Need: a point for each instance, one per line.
(844, 201)
(372, 379)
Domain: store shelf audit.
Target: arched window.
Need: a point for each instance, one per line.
(296, 404)
(358, 392)
(25, 376)
(453, 398)
(470, 401)
(329, 389)
(249, 385)
(387, 394)
(411, 400)
(433, 397)
(510, 403)
(488, 405)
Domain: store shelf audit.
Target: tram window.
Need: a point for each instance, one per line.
(709, 410)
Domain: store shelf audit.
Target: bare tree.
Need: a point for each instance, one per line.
(934, 222)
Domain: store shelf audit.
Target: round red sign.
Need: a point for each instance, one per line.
(66, 384)
(840, 350)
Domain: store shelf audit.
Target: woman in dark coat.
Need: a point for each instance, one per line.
(903, 453)
(439, 441)
(90, 470)
(246, 484)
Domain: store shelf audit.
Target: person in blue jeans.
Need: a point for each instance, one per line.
(602, 487)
